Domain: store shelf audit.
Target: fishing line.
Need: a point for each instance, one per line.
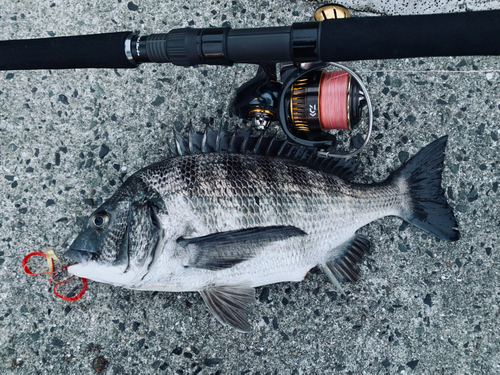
(431, 71)
(334, 100)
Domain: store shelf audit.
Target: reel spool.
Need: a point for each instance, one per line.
(316, 101)
(323, 100)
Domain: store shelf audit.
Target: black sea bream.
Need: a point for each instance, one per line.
(230, 213)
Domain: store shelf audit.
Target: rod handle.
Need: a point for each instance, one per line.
(85, 51)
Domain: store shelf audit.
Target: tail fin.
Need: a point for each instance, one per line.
(429, 209)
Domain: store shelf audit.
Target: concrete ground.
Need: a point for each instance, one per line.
(69, 138)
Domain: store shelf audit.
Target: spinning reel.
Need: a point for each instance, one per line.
(311, 102)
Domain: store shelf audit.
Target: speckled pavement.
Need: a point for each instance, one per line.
(69, 138)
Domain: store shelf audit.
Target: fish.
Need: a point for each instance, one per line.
(226, 213)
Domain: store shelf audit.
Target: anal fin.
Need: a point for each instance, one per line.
(345, 266)
(230, 304)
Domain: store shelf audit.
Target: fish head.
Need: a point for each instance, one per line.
(104, 238)
(119, 242)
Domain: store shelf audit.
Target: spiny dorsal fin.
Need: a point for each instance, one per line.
(181, 144)
(241, 142)
(196, 142)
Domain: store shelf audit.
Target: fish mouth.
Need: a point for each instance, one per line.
(79, 256)
(84, 247)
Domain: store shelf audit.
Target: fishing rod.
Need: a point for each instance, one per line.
(311, 99)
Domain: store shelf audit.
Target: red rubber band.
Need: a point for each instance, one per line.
(25, 260)
(28, 271)
(78, 296)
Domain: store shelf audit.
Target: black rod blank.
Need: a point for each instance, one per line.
(358, 38)
(451, 34)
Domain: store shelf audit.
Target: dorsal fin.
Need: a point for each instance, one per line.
(181, 144)
(241, 142)
(196, 142)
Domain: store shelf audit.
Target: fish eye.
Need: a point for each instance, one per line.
(99, 220)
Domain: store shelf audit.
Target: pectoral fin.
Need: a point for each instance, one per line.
(225, 249)
(230, 304)
(344, 266)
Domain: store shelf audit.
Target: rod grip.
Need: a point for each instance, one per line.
(85, 51)
(451, 34)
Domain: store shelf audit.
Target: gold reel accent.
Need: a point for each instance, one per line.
(298, 104)
(254, 111)
(328, 12)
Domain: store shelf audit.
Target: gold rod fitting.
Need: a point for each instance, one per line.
(329, 12)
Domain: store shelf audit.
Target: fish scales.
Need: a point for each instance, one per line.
(287, 192)
(225, 223)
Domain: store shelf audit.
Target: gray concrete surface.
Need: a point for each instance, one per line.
(421, 307)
